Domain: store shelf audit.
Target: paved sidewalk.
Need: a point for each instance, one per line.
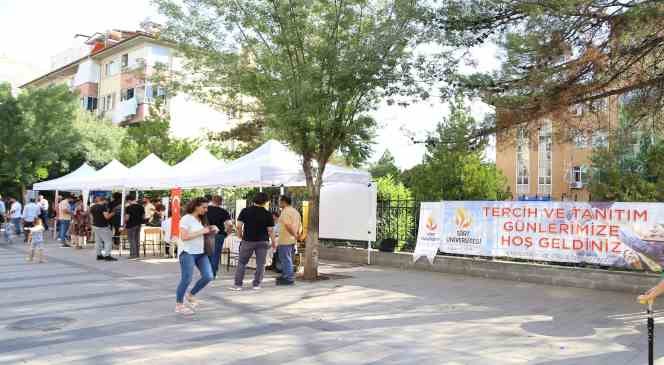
(76, 310)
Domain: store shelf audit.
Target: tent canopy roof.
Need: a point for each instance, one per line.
(67, 182)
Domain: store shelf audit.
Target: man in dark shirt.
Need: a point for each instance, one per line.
(102, 230)
(256, 228)
(135, 217)
(216, 215)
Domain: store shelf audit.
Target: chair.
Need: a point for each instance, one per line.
(153, 237)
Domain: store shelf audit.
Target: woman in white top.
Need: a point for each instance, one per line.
(192, 252)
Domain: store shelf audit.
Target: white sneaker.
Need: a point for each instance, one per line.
(258, 287)
(235, 288)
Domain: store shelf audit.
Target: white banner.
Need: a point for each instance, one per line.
(429, 233)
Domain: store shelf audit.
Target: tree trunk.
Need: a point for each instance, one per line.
(312, 244)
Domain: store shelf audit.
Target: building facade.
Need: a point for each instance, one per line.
(550, 158)
(113, 80)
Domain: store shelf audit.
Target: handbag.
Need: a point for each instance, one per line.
(208, 243)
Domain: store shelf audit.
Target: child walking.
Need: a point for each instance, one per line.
(36, 241)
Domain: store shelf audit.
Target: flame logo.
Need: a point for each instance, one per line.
(463, 219)
(431, 224)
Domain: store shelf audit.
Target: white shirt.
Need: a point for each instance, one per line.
(15, 211)
(166, 230)
(31, 212)
(193, 246)
(43, 204)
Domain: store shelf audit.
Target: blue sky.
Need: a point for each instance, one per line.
(35, 30)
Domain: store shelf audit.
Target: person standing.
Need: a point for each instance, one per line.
(43, 205)
(135, 217)
(290, 224)
(31, 213)
(80, 228)
(255, 227)
(3, 210)
(148, 208)
(115, 207)
(64, 220)
(15, 216)
(217, 216)
(101, 217)
(192, 253)
(36, 242)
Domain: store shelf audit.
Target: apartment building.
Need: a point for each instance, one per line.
(550, 158)
(112, 77)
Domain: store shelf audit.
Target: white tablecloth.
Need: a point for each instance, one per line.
(233, 243)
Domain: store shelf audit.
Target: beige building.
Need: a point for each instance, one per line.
(550, 158)
(113, 77)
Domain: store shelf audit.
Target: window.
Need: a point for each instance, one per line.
(91, 103)
(127, 94)
(577, 175)
(600, 139)
(107, 102)
(125, 60)
(111, 69)
(545, 159)
(581, 140)
(522, 162)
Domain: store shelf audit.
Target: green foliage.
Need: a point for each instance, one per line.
(558, 53)
(152, 135)
(630, 168)
(385, 166)
(313, 70)
(101, 140)
(453, 167)
(37, 133)
(392, 221)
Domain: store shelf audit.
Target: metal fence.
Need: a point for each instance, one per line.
(398, 220)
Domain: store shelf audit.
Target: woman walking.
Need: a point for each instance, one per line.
(192, 253)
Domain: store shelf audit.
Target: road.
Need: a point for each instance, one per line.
(76, 310)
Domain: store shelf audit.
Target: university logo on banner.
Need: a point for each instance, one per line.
(176, 196)
(430, 231)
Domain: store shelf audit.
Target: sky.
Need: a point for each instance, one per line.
(35, 30)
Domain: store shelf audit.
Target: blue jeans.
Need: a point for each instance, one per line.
(16, 222)
(286, 253)
(216, 256)
(187, 262)
(63, 228)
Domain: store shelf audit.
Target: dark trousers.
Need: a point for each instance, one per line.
(247, 249)
(216, 256)
(134, 238)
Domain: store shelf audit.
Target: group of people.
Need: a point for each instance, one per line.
(30, 221)
(206, 225)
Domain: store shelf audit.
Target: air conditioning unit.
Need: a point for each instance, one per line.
(576, 185)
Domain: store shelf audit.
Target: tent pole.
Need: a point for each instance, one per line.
(122, 213)
(55, 209)
(282, 190)
(369, 228)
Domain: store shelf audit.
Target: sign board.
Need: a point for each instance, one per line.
(629, 235)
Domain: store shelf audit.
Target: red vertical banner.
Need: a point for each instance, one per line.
(176, 195)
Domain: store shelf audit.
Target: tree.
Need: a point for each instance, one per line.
(101, 140)
(385, 166)
(453, 167)
(559, 53)
(36, 129)
(152, 135)
(313, 69)
(394, 223)
(630, 167)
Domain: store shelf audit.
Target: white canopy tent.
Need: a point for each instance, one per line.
(199, 161)
(272, 164)
(67, 182)
(101, 178)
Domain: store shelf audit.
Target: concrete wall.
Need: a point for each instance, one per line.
(504, 270)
